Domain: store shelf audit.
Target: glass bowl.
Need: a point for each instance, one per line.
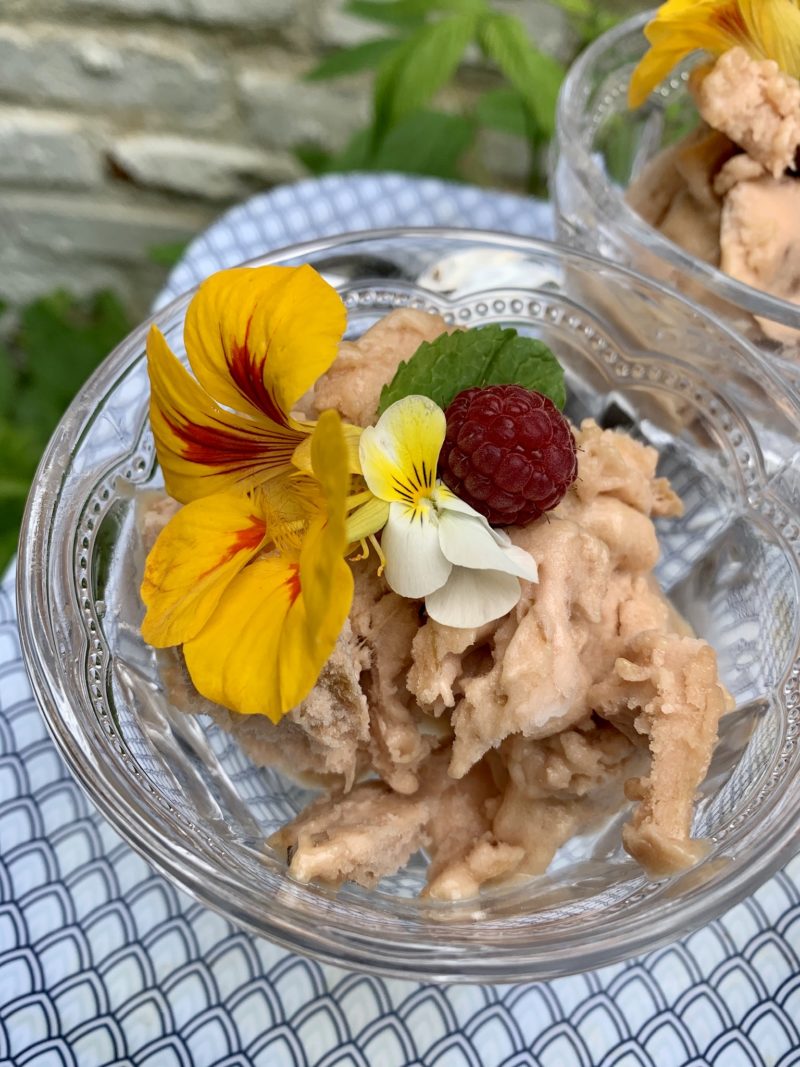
(601, 146)
(177, 789)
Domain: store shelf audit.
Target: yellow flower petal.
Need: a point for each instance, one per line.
(767, 29)
(235, 659)
(775, 24)
(278, 621)
(352, 436)
(400, 453)
(197, 554)
(653, 68)
(325, 578)
(259, 337)
(367, 519)
(203, 448)
(313, 626)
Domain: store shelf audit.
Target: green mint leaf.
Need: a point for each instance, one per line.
(409, 79)
(536, 76)
(360, 57)
(488, 355)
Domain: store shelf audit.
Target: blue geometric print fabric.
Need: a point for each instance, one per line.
(104, 963)
(341, 203)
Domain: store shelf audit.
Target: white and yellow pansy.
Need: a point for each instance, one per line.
(435, 546)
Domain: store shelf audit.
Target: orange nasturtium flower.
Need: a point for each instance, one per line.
(255, 585)
(257, 338)
(767, 29)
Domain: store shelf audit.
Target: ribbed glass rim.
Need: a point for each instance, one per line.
(571, 147)
(430, 951)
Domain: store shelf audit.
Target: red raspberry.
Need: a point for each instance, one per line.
(509, 452)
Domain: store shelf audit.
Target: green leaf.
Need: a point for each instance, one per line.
(168, 254)
(409, 12)
(488, 355)
(63, 340)
(536, 76)
(20, 447)
(356, 155)
(427, 142)
(316, 160)
(58, 343)
(13, 489)
(8, 380)
(414, 74)
(503, 110)
(579, 8)
(360, 57)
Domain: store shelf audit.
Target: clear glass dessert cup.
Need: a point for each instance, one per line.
(181, 793)
(601, 146)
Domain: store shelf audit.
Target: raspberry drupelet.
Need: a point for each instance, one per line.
(509, 452)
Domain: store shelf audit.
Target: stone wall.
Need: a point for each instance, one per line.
(128, 124)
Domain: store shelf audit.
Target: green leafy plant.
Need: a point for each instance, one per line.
(422, 47)
(56, 344)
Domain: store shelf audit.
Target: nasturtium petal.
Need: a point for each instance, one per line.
(400, 453)
(775, 24)
(654, 66)
(352, 437)
(203, 448)
(259, 337)
(315, 621)
(196, 556)
(325, 577)
(235, 659)
(767, 29)
(279, 619)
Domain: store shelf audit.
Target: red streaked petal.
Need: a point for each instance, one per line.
(202, 448)
(196, 556)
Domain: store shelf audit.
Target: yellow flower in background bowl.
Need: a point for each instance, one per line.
(257, 338)
(767, 29)
(255, 585)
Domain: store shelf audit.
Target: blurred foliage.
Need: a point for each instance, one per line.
(167, 255)
(55, 344)
(419, 52)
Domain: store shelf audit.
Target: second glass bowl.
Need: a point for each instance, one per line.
(178, 790)
(601, 147)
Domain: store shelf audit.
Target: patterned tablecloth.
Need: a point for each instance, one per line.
(103, 962)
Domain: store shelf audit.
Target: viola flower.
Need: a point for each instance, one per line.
(257, 338)
(434, 544)
(255, 585)
(767, 29)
